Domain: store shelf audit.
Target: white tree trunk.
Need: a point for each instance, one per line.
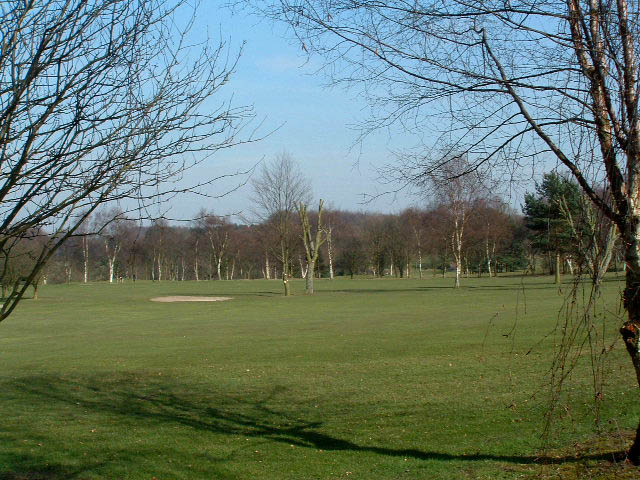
(85, 252)
(267, 269)
(488, 257)
(195, 264)
(219, 267)
(330, 253)
(111, 258)
(111, 262)
(570, 265)
(303, 270)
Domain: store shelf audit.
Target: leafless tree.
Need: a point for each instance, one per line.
(595, 236)
(508, 83)
(312, 242)
(114, 233)
(100, 101)
(457, 187)
(278, 190)
(217, 231)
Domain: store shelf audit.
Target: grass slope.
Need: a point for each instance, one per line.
(384, 379)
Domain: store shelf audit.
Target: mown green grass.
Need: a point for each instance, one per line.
(368, 379)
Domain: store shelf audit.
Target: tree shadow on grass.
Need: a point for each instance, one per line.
(34, 469)
(134, 400)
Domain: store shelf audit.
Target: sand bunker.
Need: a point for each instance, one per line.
(179, 298)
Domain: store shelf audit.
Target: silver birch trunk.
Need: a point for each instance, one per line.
(85, 252)
(456, 245)
(303, 270)
(267, 268)
(195, 264)
(330, 253)
(569, 264)
(111, 258)
(488, 256)
(312, 243)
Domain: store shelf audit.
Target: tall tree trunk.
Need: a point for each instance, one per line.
(330, 253)
(85, 254)
(303, 271)
(408, 267)
(308, 284)
(285, 269)
(557, 269)
(488, 256)
(312, 243)
(570, 264)
(630, 331)
(456, 246)
(493, 255)
(111, 258)
(195, 264)
(111, 262)
(267, 269)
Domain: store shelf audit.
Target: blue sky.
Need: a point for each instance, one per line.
(311, 121)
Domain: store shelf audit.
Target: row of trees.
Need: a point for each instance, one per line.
(475, 235)
(350, 243)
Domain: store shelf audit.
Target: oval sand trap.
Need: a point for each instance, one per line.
(179, 298)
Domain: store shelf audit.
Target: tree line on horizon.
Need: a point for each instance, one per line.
(551, 237)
